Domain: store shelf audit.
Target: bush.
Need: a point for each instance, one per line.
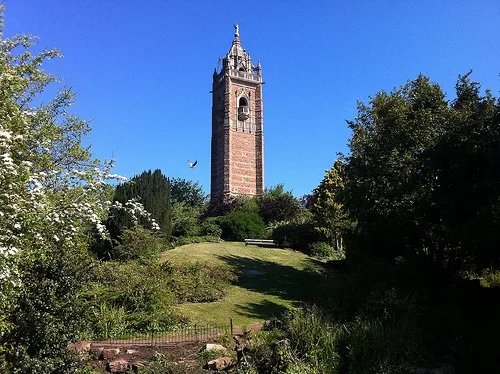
(183, 240)
(136, 243)
(491, 279)
(296, 235)
(238, 226)
(198, 283)
(210, 228)
(321, 250)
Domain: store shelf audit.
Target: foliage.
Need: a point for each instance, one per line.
(277, 204)
(153, 191)
(183, 240)
(421, 177)
(328, 211)
(229, 204)
(237, 226)
(198, 282)
(138, 243)
(320, 250)
(53, 193)
(186, 192)
(491, 279)
(369, 327)
(210, 228)
(184, 220)
(296, 235)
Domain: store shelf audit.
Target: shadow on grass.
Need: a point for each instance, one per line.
(271, 278)
(263, 310)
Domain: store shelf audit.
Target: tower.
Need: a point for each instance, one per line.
(237, 126)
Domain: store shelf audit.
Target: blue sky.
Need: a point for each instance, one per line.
(142, 70)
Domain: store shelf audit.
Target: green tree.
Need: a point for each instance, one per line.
(420, 178)
(238, 226)
(277, 204)
(187, 192)
(52, 193)
(328, 211)
(152, 189)
(184, 220)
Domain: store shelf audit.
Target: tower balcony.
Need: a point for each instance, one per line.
(243, 113)
(244, 75)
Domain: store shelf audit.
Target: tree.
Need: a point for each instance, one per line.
(187, 192)
(420, 177)
(152, 189)
(329, 214)
(277, 204)
(52, 193)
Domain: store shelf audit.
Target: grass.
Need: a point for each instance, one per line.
(270, 281)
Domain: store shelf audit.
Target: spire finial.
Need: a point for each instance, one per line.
(236, 30)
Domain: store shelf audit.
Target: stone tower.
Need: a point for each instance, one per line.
(237, 126)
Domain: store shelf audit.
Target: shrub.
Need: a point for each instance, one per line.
(491, 279)
(321, 250)
(210, 228)
(238, 226)
(200, 282)
(183, 240)
(136, 243)
(296, 235)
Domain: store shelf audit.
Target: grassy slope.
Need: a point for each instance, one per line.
(286, 279)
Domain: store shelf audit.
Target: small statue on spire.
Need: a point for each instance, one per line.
(236, 30)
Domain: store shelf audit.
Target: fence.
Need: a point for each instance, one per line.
(194, 333)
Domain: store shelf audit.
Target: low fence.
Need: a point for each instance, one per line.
(191, 333)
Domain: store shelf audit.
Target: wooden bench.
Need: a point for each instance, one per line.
(265, 242)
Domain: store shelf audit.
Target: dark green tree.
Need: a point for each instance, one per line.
(187, 192)
(152, 189)
(420, 176)
(329, 214)
(277, 204)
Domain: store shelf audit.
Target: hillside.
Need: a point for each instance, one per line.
(269, 281)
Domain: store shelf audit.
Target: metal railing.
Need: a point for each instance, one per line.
(190, 333)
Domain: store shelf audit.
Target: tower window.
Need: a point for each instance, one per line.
(243, 102)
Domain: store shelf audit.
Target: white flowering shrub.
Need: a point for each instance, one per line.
(51, 192)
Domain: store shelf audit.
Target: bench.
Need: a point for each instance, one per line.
(264, 242)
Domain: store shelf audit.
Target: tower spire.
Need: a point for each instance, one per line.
(236, 30)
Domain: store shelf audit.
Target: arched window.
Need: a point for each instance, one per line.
(243, 102)
(243, 110)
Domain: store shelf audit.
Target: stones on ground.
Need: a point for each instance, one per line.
(81, 348)
(214, 347)
(131, 351)
(109, 353)
(220, 364)
(118, 366)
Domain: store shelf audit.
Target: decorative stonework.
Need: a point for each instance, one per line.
(237, 126)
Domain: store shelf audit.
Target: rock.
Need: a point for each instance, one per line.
(215, 347)
(220, 364)
(80, 347)
(109, 353)
(137, 366)
(118, 366)
(131, 352)
(97, 353)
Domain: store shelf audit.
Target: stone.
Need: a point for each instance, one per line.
(97, 353)
(80, 347)
(220, 364)
(109, 353)
(131, 352)
(214, 347)
(118, 366)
